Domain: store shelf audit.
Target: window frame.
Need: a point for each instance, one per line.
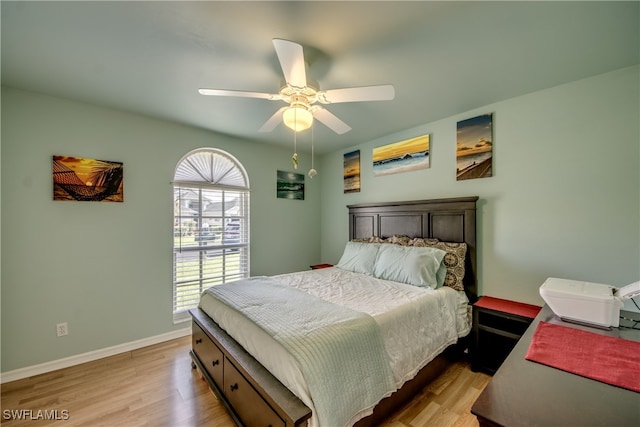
(208, 249)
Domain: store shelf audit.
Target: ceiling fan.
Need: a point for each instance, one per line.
(302, 96)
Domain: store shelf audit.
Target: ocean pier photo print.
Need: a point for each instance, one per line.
(474, 148)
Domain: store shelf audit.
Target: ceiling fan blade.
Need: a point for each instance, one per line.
(273, 121)
(357, 94)
(330, 120)
(240, 93)
(291, 59)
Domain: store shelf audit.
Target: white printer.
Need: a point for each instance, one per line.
(593, 304)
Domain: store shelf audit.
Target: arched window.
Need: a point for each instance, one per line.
(210, 225)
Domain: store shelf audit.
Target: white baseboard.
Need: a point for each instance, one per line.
(29, 371)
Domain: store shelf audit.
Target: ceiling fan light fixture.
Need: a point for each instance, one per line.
(300, 93)
(297, 118)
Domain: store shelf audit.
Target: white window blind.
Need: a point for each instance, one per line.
(210, 227)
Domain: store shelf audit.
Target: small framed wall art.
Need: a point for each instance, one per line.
(351, 174)
(87, 180)
(290, 185)
(474, 148)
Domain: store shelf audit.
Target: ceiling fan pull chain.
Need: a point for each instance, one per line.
(312, 171)
(294, 158)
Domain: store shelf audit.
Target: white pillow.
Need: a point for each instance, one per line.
(359, 257)
(416, 266)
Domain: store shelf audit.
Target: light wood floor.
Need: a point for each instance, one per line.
(155, 386)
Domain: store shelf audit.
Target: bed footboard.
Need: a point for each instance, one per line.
(248, 391)
(252, 395)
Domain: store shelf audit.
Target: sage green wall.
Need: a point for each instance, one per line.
(564, 200)
(105, 268)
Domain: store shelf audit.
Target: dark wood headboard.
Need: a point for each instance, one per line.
(449, 220)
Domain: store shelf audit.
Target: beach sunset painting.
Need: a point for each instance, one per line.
(352, 172)
(403, 156)
(82, 179)
(474, 148)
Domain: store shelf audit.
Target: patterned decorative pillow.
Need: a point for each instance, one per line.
(398, 240)
(419, 241)
(453, 260)
(395, 239)
(360, 240)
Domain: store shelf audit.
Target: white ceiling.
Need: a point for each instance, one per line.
(443, 58)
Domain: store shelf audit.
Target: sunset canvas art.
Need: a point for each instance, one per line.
(81, 179)
(403, 156)
(474, 148)
(351, 174)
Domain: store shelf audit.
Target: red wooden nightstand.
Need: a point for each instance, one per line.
(317, 266)
(498, 324)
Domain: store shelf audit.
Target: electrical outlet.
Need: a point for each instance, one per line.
(62, 329)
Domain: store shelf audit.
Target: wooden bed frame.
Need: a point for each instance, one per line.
(255, 397)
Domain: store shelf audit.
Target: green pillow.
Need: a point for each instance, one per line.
(418, 266)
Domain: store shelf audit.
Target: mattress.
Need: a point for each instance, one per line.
(416, 323)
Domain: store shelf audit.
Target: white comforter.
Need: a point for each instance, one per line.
(416, 323)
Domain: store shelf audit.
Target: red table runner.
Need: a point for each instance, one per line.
(610, 360)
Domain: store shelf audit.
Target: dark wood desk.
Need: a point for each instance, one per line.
(524, 393)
